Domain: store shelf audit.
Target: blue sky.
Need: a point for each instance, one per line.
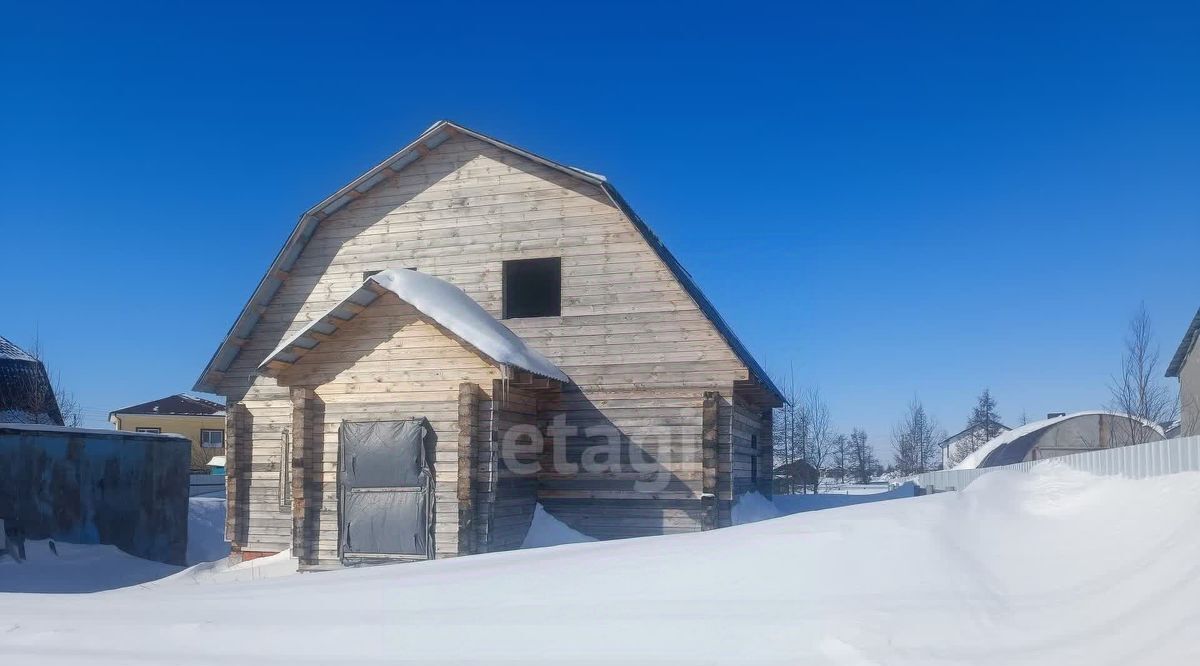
(885, 200)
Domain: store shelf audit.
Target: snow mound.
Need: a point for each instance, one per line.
(1049, 567)
(279, 565)
(752, 507)
(546, 530)
(74, 568)
(206, 530)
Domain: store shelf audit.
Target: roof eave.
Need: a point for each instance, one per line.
(1185, 347)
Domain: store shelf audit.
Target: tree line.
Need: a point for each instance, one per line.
(808, 447)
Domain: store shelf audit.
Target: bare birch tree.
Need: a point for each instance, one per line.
(1138, 390)
(789, 427)
(818, 440)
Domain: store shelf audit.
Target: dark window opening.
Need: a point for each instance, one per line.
(533, 288)
(754, 458)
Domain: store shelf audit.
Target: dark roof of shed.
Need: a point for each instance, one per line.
(1185, 347)
(26, 392)
(180, 404)
(12, 352)
(427, 141)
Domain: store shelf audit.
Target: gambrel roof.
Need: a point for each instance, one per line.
(429, 140)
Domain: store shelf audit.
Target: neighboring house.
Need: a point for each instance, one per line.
(793, 476)
(462, 332)
(26, 394)
(1185, 365)
(977, 431)
(201, 421)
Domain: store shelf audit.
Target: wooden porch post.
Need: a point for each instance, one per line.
(709, 435)
(236, 446)
(302, 546)
(468, 438)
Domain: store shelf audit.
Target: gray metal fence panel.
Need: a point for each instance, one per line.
(1139, 461)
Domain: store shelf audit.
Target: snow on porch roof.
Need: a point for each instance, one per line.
(435, 298)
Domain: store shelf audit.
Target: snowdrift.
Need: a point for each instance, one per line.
(1047, 567)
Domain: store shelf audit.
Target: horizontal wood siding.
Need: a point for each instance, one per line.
(640, 352)
(511, 493)
(376, 371)
(748, 422)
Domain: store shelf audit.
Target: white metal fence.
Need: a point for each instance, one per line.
(1138, 461)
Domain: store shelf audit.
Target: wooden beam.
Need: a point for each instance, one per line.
(302, 435)
(468, 423)
(709, 434)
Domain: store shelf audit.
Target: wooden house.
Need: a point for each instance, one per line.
(463, 331)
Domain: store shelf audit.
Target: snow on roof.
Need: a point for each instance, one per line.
(979, 455)
(67, 430)
(12, 352)
(180, 404)
(962, 433)
(447, 305)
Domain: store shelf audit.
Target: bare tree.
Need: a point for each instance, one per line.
(1138, 390)
(915, 440)
(862, 458)
(68, 406)
(818, 440)
(839, 455)
(788, 435)
(803, 437)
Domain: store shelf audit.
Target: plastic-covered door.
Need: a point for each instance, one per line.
(386, 490)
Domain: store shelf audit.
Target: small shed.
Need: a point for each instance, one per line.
(1063, 435)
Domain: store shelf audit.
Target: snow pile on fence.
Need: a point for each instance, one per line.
(1045, 567)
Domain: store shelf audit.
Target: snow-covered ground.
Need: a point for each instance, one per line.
(1046, 567)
